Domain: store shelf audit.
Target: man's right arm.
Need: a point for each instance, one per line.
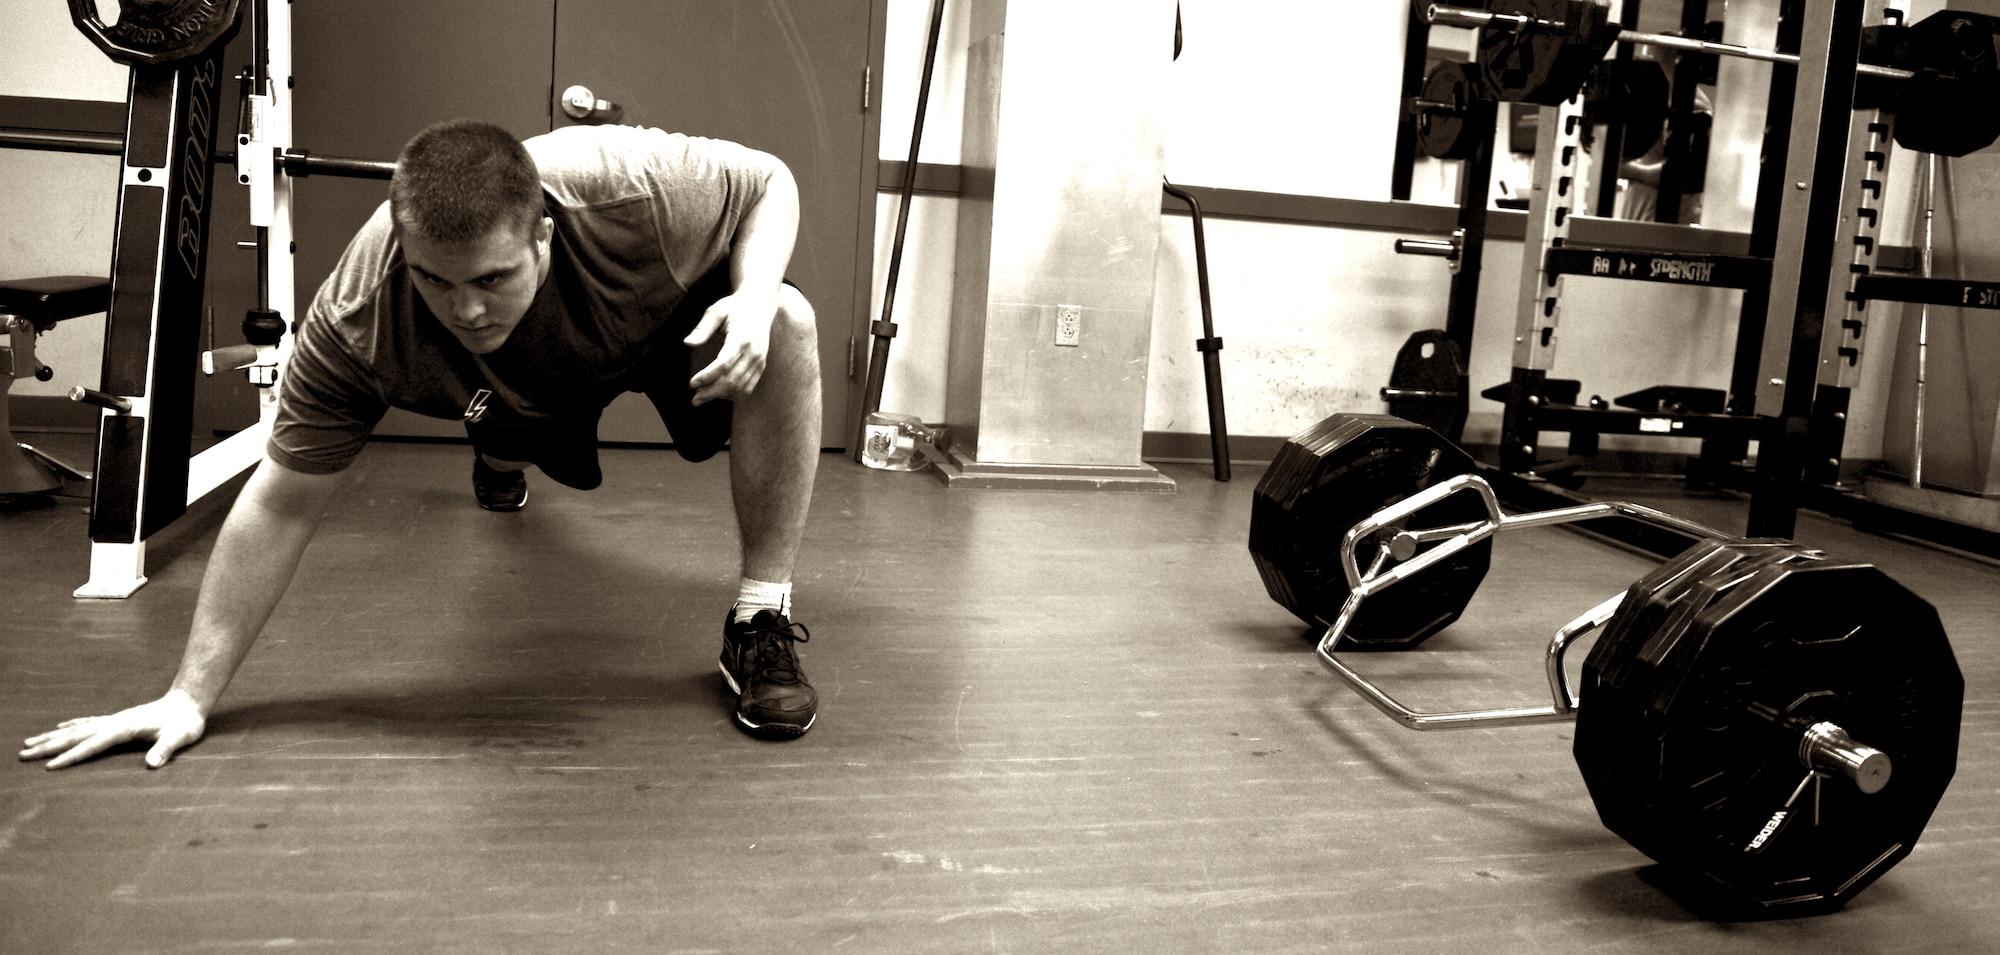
(255, 557)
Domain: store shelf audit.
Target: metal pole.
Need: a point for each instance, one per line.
(884, 329)
(1210, 346)
(1614, 134)
(1923, 327)
(1679, 173)
(1416, 45)
(248, 125)
(300, 163)
(1475, 194)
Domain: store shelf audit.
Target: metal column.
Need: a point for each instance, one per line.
(1556, 197)
(1802, 263)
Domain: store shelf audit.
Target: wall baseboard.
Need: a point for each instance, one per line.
(46, 413)
(1183, 448)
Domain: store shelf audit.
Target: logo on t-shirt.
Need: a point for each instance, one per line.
(476, 408)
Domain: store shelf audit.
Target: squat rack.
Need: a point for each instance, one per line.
(145, 479)
(1803, 326)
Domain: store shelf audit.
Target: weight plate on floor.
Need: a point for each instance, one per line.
(1698, 703)
(1330, 478)
(1656, 608)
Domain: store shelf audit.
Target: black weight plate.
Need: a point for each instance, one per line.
(1431, 364)
(1946, 108)
(1632, 94)
(156, 32)
(1548, 65)
(1451, 133)
(1330, 478)
(1690, 745)
(1652, 602)
(1675, 399)
(1659, 607)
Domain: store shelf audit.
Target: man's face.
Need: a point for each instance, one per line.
(480, 289)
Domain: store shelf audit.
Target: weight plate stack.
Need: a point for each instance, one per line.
(1330, 478)
(1545, 67)
(1704, 696)
(1656, 609)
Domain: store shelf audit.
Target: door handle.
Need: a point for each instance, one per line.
(580, 104)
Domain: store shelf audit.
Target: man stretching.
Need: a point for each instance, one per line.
(520, 287)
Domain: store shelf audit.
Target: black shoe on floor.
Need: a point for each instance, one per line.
(774, 701)
(498, 490)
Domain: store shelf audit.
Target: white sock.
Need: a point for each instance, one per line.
(755, 595)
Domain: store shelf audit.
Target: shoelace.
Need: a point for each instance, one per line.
(771, 652)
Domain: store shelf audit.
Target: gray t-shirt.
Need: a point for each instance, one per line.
(640, 215)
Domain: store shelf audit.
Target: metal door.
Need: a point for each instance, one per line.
(370, 74)
(785, 76)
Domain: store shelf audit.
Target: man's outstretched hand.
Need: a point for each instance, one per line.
(172, 722)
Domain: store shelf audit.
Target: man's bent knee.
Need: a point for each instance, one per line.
(795, 322)
(794, 340)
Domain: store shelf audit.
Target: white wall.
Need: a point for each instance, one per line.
(57, 210)
(48, 57)
(1263, 98)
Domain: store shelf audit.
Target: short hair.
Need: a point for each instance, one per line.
(459, 179)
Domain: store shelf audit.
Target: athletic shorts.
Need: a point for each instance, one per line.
(565, 447)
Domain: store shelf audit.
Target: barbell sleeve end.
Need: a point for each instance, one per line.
(1828, 749)
(1441, 15)
(91, 396)
(228, 358)
(1426, 247)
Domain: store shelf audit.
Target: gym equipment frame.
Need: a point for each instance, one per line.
(1802, 331)
(144, 478)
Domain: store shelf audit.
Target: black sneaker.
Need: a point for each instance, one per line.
(774, 701)
(498, 490)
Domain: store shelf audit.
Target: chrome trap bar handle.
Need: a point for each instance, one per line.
(1405, 548)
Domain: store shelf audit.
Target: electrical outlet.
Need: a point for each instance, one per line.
(1069, 325)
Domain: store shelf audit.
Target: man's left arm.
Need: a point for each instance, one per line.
(757, 261)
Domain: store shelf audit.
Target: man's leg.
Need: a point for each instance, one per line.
(564, 448)
(774, 447)
(773, 457)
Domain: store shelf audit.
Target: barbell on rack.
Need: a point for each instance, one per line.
(1451, 124)
(1589, 33)
(1943, 73)
(1773, 721)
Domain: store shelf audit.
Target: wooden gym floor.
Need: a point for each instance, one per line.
(1051, 722)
